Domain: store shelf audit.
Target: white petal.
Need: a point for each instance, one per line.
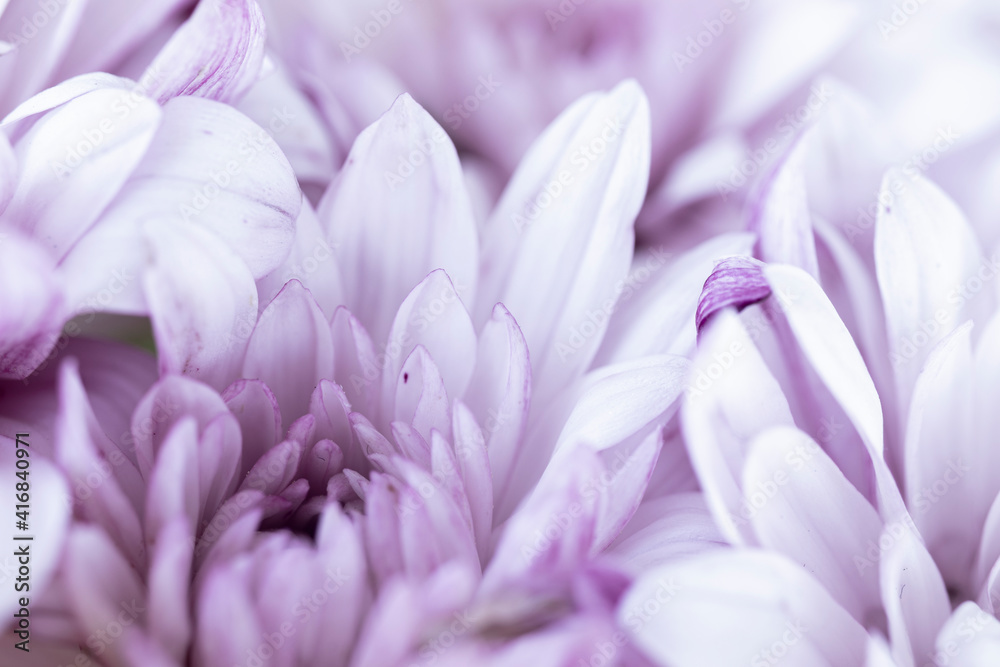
(731, 398)
(828, 346)
(432, 316)
(738, 607)
(74, 161)
(947, 465)
(801, 505)
(562, 237)
(202, 303)
(397, 211)
(925, 252)
(291, 350)
(658, 317)
(913, 594)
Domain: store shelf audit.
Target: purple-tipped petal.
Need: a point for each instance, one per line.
(731, 398)
(736, 281)
(656, 312)
(216, 54)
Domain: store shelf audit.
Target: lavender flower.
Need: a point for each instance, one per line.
(843, 442)
(352, 486)
(101, 166)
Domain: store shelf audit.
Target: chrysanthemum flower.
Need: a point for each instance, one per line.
(731, 82)
(101, 167)
(844, 442)
(420, 463)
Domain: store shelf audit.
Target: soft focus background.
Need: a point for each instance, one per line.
(731, 82)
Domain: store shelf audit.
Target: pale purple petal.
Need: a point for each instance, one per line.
(913, 594)
(75, 159)
(216, 54)
(800, 504)
(291, 360)
(721, 414)
(397, 211)
(499, 394)
(562, 235)
(781, 217)
(736, 281)
(198, 314)
(728, 606)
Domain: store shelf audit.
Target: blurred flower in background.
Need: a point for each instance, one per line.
(567, 333)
